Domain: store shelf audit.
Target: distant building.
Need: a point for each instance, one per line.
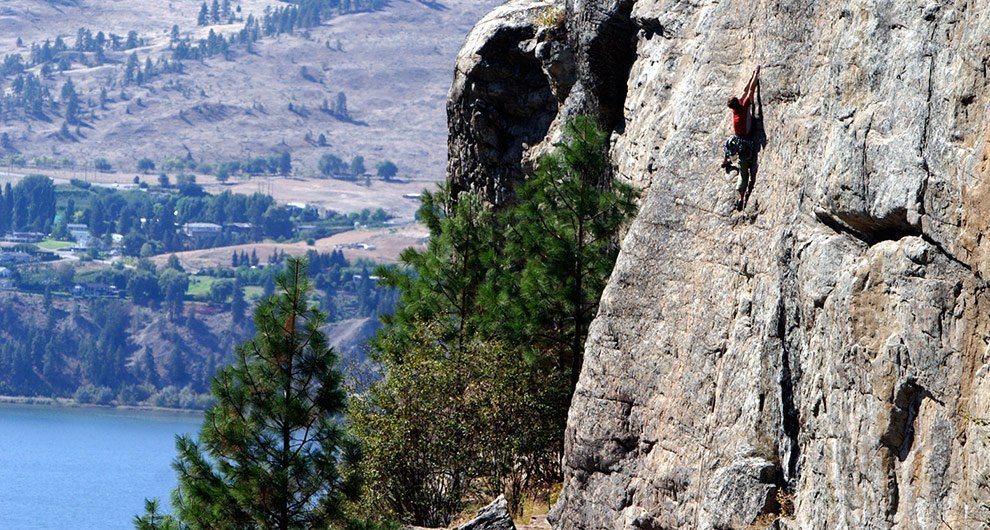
(93, 290)
(413, 196)
(24, 237)
(305, 230)
(81, 235)
(238, 228)
(356, 246)
(202, 231)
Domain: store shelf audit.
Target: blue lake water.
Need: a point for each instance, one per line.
(81, 468)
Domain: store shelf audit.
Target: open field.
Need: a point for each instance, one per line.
(339, 195)
(388, 243)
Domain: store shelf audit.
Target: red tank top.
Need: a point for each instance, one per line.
(740, 119)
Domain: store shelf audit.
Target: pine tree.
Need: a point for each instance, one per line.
(357, 166)
(154, 519)
(204, 15)
(563, 234)
(272, 453)
(237, 303)
(132, 69)
(340, 107)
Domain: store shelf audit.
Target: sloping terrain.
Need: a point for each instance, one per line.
(393, 65)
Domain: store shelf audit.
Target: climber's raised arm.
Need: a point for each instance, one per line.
(751, 86)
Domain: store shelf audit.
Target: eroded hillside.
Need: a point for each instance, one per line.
(260, 100)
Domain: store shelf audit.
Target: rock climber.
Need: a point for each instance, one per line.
(740, 145)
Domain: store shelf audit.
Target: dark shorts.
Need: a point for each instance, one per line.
(744, 150)
(741, 147)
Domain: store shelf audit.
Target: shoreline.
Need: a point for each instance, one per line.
(72, 403)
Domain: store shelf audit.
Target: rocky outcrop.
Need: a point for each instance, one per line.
(510, 77)
(495, 516)
(829, 344)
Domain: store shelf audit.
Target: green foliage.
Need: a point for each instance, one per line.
(172, 284)
(490, 327)
(450, 422)
(332, 165)
(154, 519)
(30, 204)
(387, 169)
(562, 243)
(145, 165)
(271, 453)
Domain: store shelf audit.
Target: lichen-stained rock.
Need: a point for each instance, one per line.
(838, 329)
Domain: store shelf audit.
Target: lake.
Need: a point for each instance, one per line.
(84, 468)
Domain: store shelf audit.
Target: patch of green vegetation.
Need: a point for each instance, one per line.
(199, 286)
(253, 292)
(52, 244)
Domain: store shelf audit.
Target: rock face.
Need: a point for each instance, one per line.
(829, 343)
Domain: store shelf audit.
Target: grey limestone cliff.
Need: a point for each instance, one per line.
(820, 359)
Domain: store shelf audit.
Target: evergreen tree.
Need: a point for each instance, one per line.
(529, 276)
(204, 15)
(132, 40)
(173, 286)
(563, 239)
(131, 69)
(357, 166)
(237, 303)
(153, 519)
(387, 169)
(340, 108)
(176, 369)
(272, 453)
(285, 164)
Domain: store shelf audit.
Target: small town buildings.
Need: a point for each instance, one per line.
(202, 231)
(24, 237)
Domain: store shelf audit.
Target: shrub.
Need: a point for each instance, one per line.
(551, 17)
(146, 165)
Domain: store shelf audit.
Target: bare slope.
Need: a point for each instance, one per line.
(393, 65)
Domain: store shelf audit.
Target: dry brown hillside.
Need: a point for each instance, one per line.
(393, 65)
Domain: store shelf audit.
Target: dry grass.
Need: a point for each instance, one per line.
(551, 17)
(389, 243)
(785, 503)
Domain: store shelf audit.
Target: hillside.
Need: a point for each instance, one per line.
(817, 360)
(393, 65)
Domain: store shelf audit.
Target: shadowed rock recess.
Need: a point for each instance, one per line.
(819, 359)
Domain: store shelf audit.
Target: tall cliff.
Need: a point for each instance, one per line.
(828, 346)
